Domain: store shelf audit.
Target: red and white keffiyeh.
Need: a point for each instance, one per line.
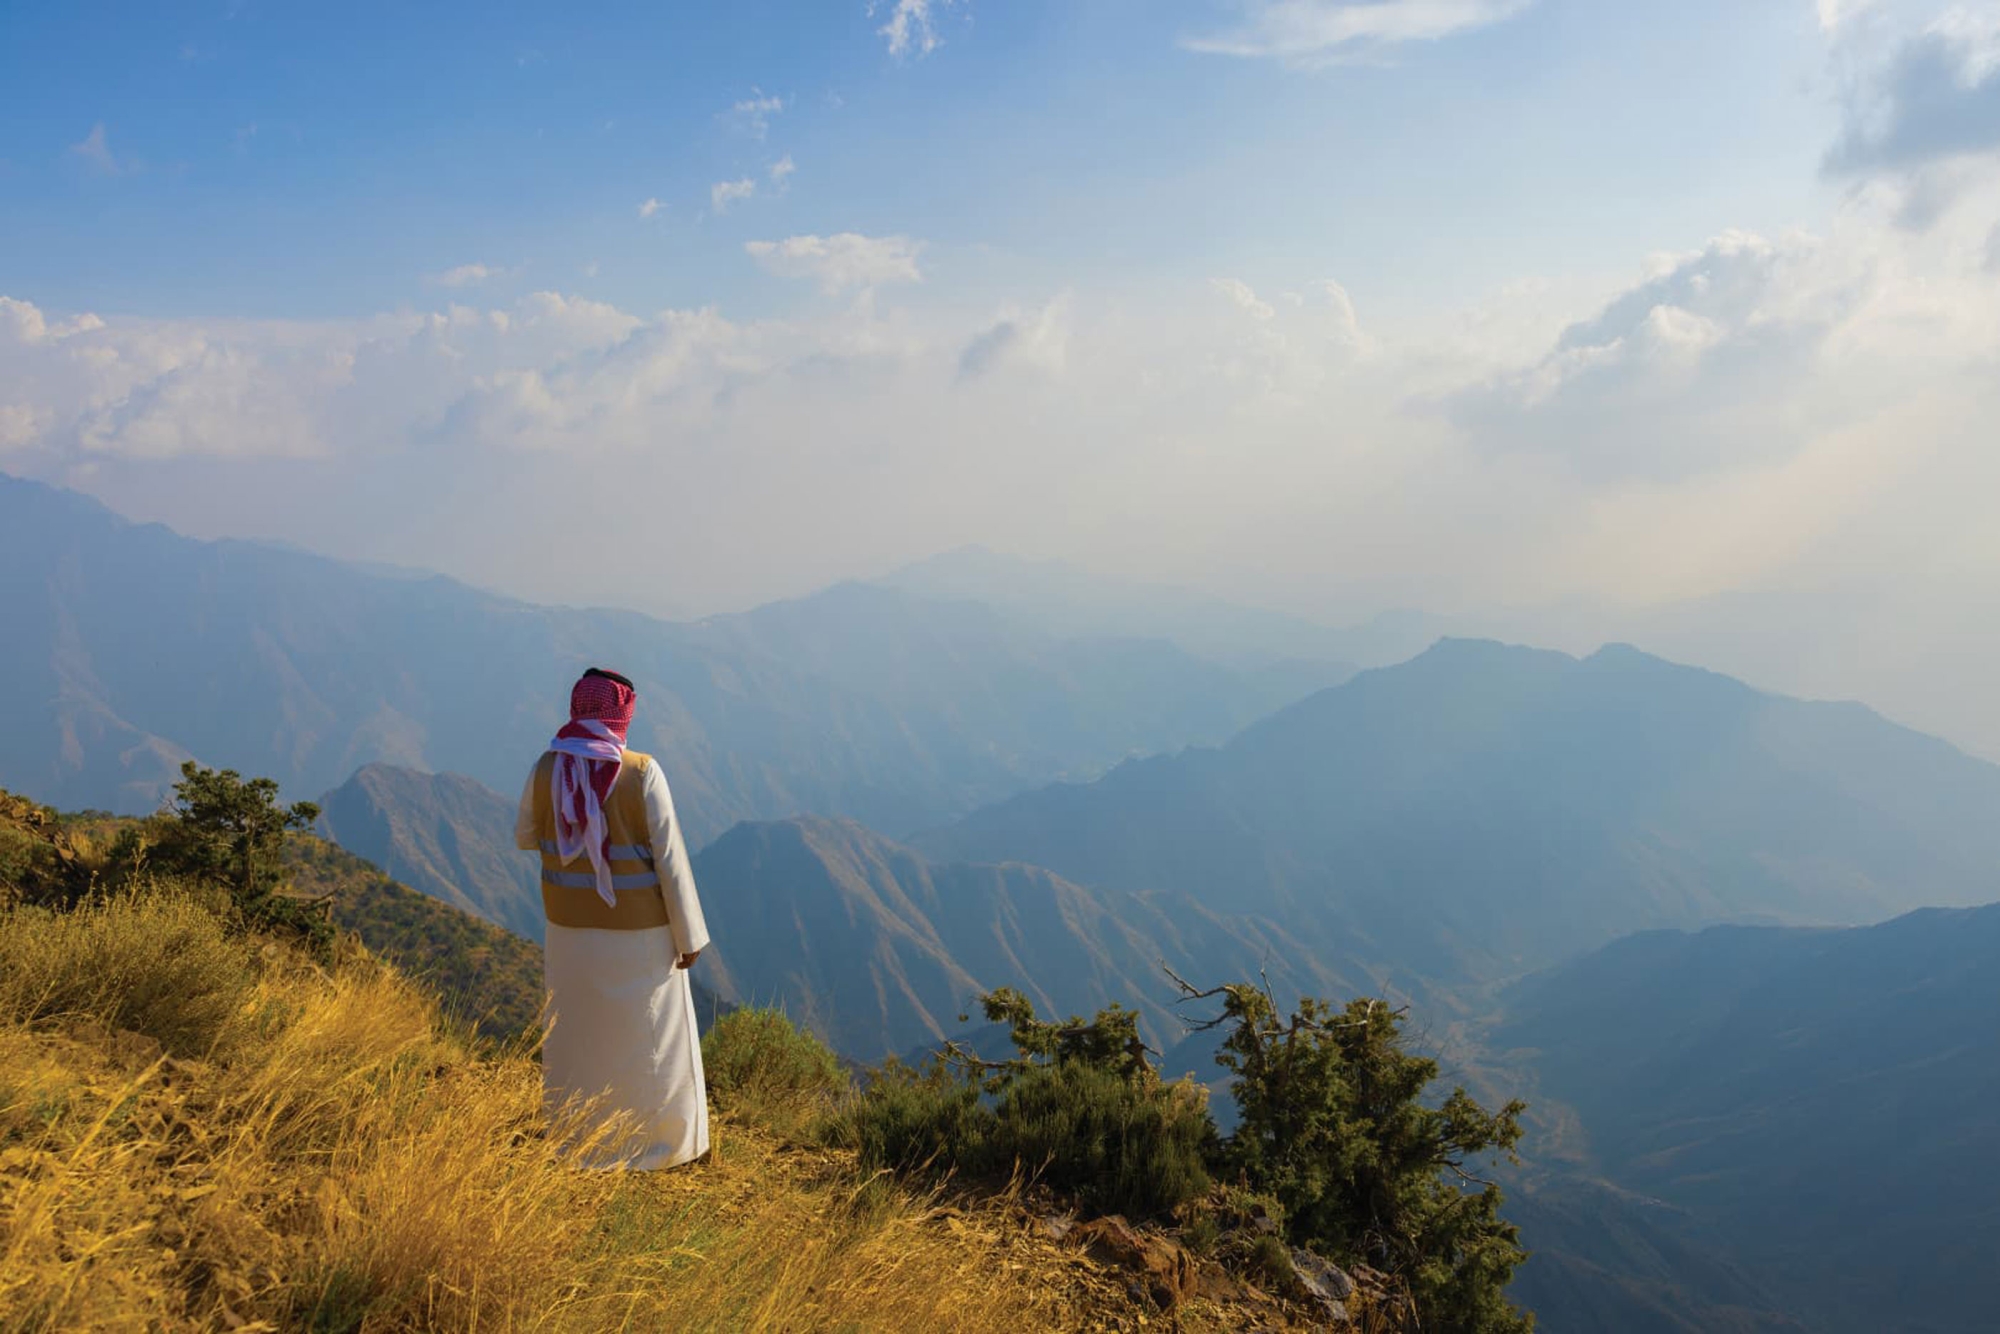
(589, 750)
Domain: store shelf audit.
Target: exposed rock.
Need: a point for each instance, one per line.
(1320, 1277)
(1055, 1226)
(1163, 1267)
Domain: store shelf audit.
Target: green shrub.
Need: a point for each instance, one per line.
(925, 1122)
(38, 858)
(228, 830)
(763, 1067)
(1268, 1261)
(1078, 1110)
(1338, 1125)
(1118, 1144)
(1202, 1234)
(158, 962)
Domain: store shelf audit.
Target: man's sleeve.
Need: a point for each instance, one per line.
(526, 837)
(670, 858)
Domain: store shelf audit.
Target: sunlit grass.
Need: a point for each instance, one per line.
(222, 1134)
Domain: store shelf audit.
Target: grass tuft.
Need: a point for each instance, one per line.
(156, 962)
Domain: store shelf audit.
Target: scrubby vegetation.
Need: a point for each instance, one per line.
(204, 1126)
(765, 1070)
(483, 974)
(1078, 1109)
(1336, 1148)
(217, 1111)
(1335, 1127)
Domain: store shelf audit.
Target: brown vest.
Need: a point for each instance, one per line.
(569, 890)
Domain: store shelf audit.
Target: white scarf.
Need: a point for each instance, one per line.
(571, 791)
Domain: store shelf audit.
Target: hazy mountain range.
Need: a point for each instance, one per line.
(982, 772)
(1823, 1100)
(132, 648)
(447, 835)
(874, 947)
(1482, 811)
(884, 951)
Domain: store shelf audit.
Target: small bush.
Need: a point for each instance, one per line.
(1117, 1144)
(1268, 1261)
(157, 962)
(39, 862)
(923, 1122)
(764, 1068)
(1079, 1110)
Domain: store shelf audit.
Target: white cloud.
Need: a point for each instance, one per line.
(464, 275)
(95, 151)
(841, 262)
(1322, 32)
(650, 208)
(753, 114)
(911, 29)
(782, 169)
(1035, 339)
(1921, 98)
(1833, 14)
(1761, 415)
(1742, 354)
(1243, 298)
(724, 193)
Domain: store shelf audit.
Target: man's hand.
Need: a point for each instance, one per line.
(687, 960)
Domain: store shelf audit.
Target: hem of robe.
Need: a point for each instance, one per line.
(623, 1035)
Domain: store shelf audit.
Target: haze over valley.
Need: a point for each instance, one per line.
(905, 797)
(1425, 567)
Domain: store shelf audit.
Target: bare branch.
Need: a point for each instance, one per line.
(1188, 991)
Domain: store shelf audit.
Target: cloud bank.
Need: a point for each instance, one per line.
(1325, 32)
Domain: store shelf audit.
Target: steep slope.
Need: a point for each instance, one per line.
(1481, 811)
(480, 971)
(131, 648)
(1606, 1259)
(1821, 1100)
(881, 951)
(444, 834)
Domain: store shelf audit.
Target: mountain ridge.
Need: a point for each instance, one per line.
(1820, 1098)
(135, 648)
(1603, 795)
(933, 937)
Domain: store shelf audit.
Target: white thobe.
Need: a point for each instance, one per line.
(621, 1015)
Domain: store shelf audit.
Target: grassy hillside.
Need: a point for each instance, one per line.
(479, 971)
(202, 1128)
(316, 1151)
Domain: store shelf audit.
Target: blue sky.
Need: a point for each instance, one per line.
(303, 161)
(1672, 322)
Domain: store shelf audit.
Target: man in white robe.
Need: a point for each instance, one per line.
(621, 1061)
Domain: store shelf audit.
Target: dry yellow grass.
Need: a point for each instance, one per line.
(330, 1157)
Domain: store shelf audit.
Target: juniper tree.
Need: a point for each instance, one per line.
(1335, 1125)
(231, 831)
